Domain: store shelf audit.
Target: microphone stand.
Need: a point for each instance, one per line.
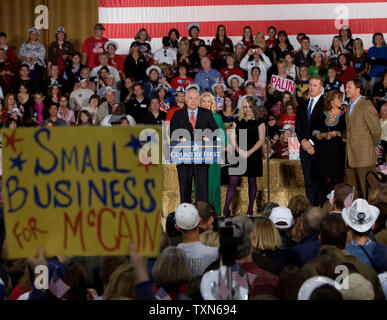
(268, 162)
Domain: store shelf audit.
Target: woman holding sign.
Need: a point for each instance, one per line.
(248, 120)
(329, 158)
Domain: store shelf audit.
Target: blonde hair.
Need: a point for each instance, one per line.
(121, 283)
(211, 97)
(263, 43)
(137, 36)
(210, 238)
(187, 43)
(251, 103)
(171, 268)
(267, 237)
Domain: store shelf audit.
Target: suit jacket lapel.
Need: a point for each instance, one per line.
(353, 111)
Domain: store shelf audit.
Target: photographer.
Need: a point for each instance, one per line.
(256, 58)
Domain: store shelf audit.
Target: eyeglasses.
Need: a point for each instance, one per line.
(271, 119)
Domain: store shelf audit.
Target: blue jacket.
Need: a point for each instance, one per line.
(307, 249)
(377, 252)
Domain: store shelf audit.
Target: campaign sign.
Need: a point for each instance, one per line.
(81, 191)
(194, 152)
(294, 148)
(282, 84)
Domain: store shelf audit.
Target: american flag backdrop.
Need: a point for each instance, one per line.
(318, 19)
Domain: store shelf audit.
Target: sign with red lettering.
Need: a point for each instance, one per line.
(82, 191)
(282, 84)
(294, 148)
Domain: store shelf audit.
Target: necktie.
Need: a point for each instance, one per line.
(310, 109)
(192, 119)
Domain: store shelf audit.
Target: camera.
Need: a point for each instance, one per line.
(255, 51)
(231, 236)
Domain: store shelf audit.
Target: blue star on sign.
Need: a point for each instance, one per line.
(18, 162)
(135, 144)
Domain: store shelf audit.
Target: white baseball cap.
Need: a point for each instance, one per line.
(360, 216)
(187, 216)
(282, 214)
(312, 284)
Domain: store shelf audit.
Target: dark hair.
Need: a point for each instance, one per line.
(272, 114)
(206, 211)
(272, 27)
(155, 98)
(175, 31)
(298, 204)
(251, 33)
(331, 67)
(9, 121)
(326, 292)
(3, 34)
(349, 32)
(305, 38)
(166, 42)
(346, 58)
(357, 82)
(289, 53)
(95, 96)
(233, 102)
(76, 53)
(375, 35)
(217, 31)
(56, 36)
(329, 97)
(291, 279)
(283, 33)
(182, 65)
(341, 192)
(333, 231)
(301, 34)
(138, 84)
(103, 68)
(25, 66)
(89, 117)
(76, 280)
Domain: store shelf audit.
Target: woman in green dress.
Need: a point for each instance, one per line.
(318, 67)
(207, 101)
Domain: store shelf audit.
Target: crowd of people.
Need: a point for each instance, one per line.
(338, 112)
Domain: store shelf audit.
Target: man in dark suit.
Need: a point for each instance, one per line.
(192, 118)
(306, 115)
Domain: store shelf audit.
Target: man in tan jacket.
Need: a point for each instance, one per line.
(363, 133)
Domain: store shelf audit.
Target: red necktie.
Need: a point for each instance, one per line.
(192, 119)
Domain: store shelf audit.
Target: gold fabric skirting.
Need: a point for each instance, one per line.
(286, 181)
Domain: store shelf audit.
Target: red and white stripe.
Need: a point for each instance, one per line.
(318, 19)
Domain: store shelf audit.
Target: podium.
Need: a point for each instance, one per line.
(286, 181)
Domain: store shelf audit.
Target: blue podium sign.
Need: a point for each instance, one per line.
(195, 152)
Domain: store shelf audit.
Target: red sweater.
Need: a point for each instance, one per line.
(226, 72)
(345, 76)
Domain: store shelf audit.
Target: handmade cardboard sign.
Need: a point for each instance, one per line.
(81, 191)
(294, 148)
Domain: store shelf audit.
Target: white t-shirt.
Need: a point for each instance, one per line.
(165, 56)
(80, 97)
(199, 256)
